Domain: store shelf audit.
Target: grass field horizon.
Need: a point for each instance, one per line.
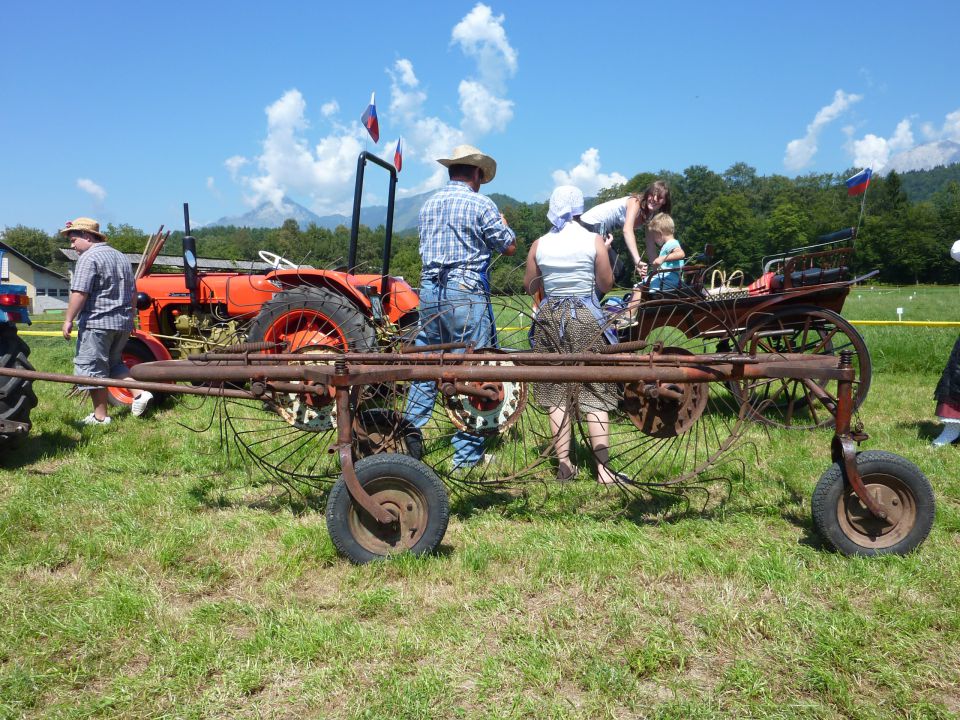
(143, 573)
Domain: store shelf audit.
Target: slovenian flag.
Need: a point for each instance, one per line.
(857, 185)
(398, 155)
(369, 120)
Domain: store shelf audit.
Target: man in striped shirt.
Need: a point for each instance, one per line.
(460, 229)
(101, 299)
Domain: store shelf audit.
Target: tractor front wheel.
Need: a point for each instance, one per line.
(134, 353)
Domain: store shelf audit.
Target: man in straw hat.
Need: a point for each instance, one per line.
(460, 229)
(101, 298)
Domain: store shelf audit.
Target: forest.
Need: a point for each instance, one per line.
(908, 224)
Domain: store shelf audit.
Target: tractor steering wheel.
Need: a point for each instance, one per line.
(275, 261)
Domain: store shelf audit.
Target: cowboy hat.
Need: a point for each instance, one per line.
(955, 251)
(469, 155)
(83, 224)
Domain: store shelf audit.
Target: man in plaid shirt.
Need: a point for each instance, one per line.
(459, 231)
(101, 298)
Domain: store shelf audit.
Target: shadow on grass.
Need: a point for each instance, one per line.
(926, 430)
(212, 493)
(36, 448)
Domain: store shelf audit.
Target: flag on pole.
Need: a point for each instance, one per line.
(857, 185)
(369, 120)
(398, 155)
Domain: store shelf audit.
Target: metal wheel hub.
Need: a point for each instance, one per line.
(871, 531)
(309, 411)
(410, 512)
(487, 416)
(665, 410)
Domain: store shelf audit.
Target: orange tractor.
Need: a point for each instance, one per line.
(291, 308)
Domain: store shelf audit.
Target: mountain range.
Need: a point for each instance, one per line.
(405, 214)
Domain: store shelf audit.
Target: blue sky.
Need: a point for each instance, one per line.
(123, 111)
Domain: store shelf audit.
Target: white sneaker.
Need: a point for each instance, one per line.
(92, 419)
(140, 403)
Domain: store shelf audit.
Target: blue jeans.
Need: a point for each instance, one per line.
(455, 311)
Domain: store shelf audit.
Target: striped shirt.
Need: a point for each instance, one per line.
(104, 274)
(460, 228)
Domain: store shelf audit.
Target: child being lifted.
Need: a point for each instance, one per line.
(668, 263)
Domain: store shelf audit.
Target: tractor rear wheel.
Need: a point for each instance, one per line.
(17, 398)
(310, 316)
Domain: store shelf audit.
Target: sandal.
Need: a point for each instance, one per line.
(567, 475)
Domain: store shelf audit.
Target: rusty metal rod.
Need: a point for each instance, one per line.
(159, 387)
(178, 370)
(525, 358)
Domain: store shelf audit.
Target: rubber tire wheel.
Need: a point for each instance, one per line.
(134, 353)
(833, 498)
(17, 398)
(359, 537)
(356, 329)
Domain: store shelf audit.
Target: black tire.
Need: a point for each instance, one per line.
(17, 398)
(134, 353)
(851, 529)
(406, 486)
(307, 316)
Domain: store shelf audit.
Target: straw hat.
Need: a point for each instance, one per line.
(469, 155)
(83, 224)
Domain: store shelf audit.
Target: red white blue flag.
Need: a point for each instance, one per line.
(857, 185)
(369, 120)
(398, 155)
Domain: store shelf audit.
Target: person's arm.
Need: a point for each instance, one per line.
(495, 231)
(630, 229)
(676, 253)
(603, 273)
(74, 306)
(532, 277)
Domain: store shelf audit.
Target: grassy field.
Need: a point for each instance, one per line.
(131, 586)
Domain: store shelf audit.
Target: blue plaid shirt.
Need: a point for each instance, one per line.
(104, 274)
(459, 229)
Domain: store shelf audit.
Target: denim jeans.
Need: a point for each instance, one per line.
(457, 310)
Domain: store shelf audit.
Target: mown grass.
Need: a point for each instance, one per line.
(129, 587)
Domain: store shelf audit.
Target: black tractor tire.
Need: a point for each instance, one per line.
(17, 398)
(843, 520)
(408, 488)
(333, 319)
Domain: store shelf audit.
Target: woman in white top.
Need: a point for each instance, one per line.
(629, 213)
(567, 266)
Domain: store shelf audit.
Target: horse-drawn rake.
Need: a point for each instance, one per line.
(336, 420)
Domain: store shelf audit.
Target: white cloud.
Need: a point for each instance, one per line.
(900, 151)
(587, 176)
(483, 112)
(212, 187)
(875, 152)
(800, 152)
(481, 36)
(233, 165)
(288, 164)
(92, 189)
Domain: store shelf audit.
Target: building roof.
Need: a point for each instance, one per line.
(31, 263)
(177, 261)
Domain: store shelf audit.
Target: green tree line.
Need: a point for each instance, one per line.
(743, 215)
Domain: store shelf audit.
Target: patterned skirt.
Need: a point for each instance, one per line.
(569, 327)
